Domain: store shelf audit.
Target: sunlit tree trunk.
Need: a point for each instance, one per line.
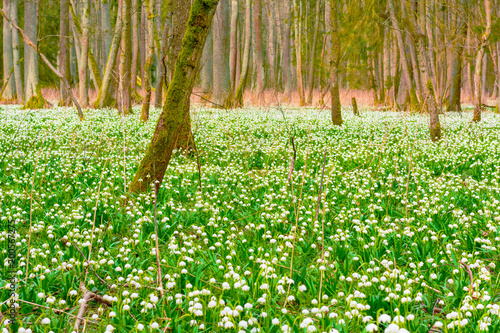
(136, 11)
(286, 58)
(271, 49)
(64, 48)
(207, 69)
(259, 59)
(30, 55)
(83, 70)
(155, 162)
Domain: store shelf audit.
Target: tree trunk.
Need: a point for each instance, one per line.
(271, 49)
(125, 103)
(64, 48)
(233, 47)
(10, 87)
(107, 31)
(259, 60)
(104, 98)
(83, 70)
(246, 55)
(155, 162)
(30, 55)
(297, 9)
(222, 93)
(286, 58)
(136, 11)
(479, 60)
(335, 62)
(313, 53)
(207, 69)
(457, 56)
(180, 18)
(15, 54)
(162, 64)
(149, 62)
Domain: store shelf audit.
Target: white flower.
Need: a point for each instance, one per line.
(45, 321)
(140, 327)
(154, 325)
(109, 328)
(302, 288)
(392, 328)
(243, 324)
(275, 321)
(403, 330)
(384, 318)
(371, 328)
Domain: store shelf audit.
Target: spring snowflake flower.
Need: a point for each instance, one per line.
(275, 321)
(392, 328)
(140, 327)
(110, 328)
(45, 321)
(371, 328)
(384, 318)
(154, 325)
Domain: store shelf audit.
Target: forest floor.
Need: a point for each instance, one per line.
(293, 225)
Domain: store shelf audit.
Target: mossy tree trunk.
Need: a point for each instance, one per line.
(155, 162)
(149, 62)
(83, 70)
(222, 93)
(9, 88)
(335, 61)
(15, 54)
(180, 15)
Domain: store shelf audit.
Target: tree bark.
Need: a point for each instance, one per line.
(335, 62)
(246, 55)
(162, 72)
(259, 59)
(136, 11)
(9, 89)
(312, 61)
(83, 70)
(15, 54)
(125, 103)
(64, 48)
(297, 9)
(155, 162)
(271, 49)
(207, 69)
(149, 62)
(222, 93)
(479, 59)
(233, 47)
(30, 55)
(286, 58)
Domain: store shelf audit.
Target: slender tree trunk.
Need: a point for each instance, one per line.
(155, 162)
(298, 48)
(162, 64)
(222, 81)
(312, 62)
(149, 62)
(136, 11)
(104, 97)
(15, 54)
(271, 49)
(498, 76)
(286, 58)
(479, 59)
(246, 55)
(64, 49)
(30, 55)
(335, 62)
(10, 87)
(125, 103)
(84, 95)
(107, 31)
(259, 60)
(233, 48)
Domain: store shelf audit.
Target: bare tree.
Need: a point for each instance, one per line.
(222, 93)
(125, 103)
(15, 54)
(246, 55)
(335, 62)
(9, 88)
(149, 62)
